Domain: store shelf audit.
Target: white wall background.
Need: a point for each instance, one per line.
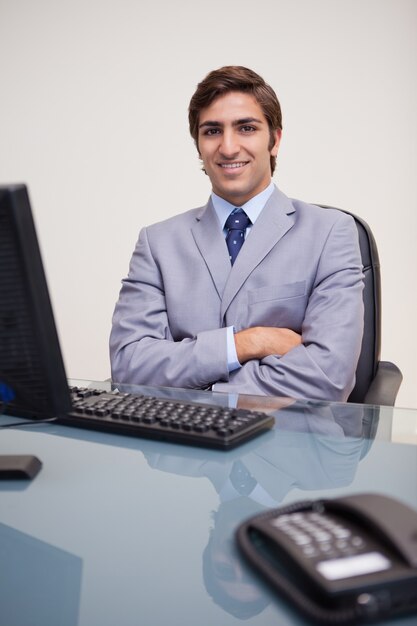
(93, 117)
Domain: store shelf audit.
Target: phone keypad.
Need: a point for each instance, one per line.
(320, 537)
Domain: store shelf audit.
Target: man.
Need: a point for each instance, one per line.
(281, 314)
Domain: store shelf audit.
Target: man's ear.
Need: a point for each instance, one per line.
(277, 136)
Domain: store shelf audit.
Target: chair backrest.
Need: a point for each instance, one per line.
(371, 342)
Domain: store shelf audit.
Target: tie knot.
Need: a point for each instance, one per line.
(237, 220)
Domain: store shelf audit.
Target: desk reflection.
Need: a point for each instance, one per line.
(313, 446)
(39, 583)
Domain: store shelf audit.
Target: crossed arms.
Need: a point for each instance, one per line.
(166, 328)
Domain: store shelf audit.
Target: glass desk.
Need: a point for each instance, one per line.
(126, 531)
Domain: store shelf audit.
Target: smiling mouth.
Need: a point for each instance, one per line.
(233, 166)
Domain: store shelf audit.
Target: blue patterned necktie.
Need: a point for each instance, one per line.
(236, 225)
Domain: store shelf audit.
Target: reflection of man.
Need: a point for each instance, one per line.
(228, 581)
(280, 315)
(312, 448)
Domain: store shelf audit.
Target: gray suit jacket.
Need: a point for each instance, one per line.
(299, 268)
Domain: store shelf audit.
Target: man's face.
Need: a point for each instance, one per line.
(233, 142)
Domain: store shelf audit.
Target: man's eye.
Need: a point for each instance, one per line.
(212, 131)
(247, 129)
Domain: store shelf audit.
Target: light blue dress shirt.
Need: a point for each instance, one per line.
(252, 208)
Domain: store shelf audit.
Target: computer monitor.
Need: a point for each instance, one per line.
(33, 382)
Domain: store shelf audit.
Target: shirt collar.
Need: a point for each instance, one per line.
(252, 207)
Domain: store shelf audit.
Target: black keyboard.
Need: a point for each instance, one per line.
(164, 419)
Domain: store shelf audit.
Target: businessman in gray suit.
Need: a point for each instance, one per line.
(253, 293)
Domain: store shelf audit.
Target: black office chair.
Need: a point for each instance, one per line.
(377, 382)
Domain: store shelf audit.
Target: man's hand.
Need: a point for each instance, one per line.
(261, 341)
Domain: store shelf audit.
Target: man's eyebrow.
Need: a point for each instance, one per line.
(210, 123)
(240, 122)
(246, 120)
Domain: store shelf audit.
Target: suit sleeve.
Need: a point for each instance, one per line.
(142, 349)
(323, 366)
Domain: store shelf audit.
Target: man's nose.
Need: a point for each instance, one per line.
(229, 146)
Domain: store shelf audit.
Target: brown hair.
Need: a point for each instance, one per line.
(236, 78)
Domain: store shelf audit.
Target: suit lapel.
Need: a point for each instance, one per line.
(272, 224)
(210, 241)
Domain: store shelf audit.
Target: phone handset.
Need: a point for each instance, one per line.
(347, 559)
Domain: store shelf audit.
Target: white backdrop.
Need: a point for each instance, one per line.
(93, 117)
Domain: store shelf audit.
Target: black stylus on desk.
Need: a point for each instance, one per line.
(19, 466)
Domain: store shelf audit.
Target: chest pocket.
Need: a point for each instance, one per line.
(280, 305)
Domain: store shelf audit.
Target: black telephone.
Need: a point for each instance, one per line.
(346, 560)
